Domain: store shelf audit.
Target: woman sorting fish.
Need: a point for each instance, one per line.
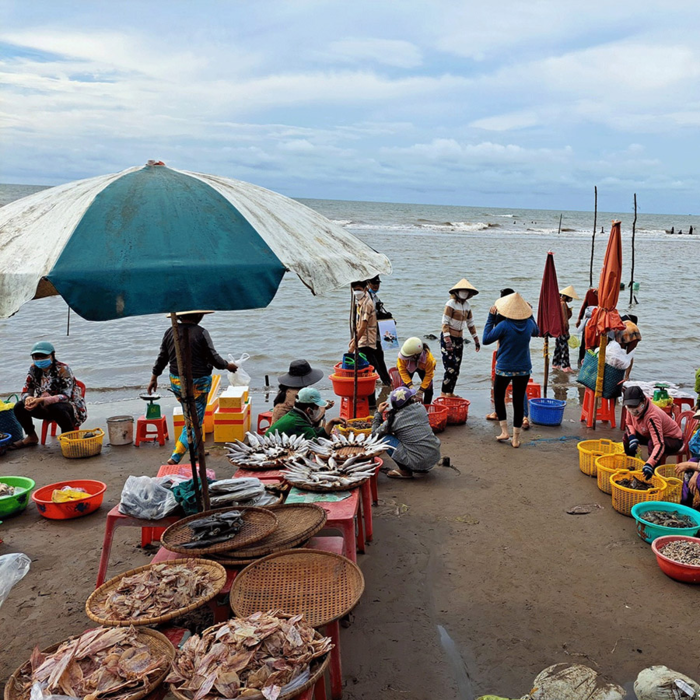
(415, 358)
(414, 447)
(306, 418)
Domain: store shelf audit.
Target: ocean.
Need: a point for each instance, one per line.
(431, 248)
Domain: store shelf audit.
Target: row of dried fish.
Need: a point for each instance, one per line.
(247, 491)
(101, 663)
(215, 528)
(262, 653)
(668, 518)
(158, 590)
(329, 473)
(266, 451)
(683, 551)
(341, 446)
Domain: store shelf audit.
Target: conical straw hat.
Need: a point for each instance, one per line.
(464, 285)
(569, 292)
(514, 307)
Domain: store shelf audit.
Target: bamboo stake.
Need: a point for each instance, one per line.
(595, 226)
(559, 231)
(177, 340)
(634, 231)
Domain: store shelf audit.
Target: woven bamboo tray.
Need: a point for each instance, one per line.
(157, 643)
(329, 489)
(297, 522)
(94, 605)
(258, 524)
(318, 668)
(320, 585)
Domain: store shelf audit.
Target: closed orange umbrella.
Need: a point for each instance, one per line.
(605, 317)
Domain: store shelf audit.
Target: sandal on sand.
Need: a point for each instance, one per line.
(526, 424)
(503, 439)
(396, 474)
(492, 416)
(21, 444)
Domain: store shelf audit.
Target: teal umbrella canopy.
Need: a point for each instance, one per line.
(154, 239)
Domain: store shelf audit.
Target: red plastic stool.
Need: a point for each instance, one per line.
(362, 407)
(606, 410)
(395, 377)
(262, 418)
(144, 434)
(532, 391)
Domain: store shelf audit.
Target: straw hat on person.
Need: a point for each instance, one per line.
(465, 286)
(514, 307)
(569, 292)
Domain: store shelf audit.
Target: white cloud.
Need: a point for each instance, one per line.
(390, 52)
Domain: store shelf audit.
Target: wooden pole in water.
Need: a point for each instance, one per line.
(559, 231)
(177, 341)
(595, 225)
(634, 232)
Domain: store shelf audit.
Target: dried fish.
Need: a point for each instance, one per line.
(683, 551)
(262, 653)
(668, 518)
(266, 452)
(102, 662)
(214, 528)
(158, 590)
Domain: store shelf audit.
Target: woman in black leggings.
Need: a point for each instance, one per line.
(513, 362)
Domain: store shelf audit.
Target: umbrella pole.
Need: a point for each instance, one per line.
(546, 365)
(184, 391)
(601, 375)
(357, 356)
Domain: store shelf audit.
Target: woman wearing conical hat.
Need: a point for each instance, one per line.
(561, 348)
(457, 315)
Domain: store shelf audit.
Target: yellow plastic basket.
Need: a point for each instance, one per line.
(74, 445)
(607, 465)
(624, 498)
(357, 431)
(590, 450)
(674, 485)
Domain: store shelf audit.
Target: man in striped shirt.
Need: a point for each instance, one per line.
(457, 315)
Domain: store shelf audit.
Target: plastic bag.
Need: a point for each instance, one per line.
(661, 683)
(240, 377)
(37, 693)
(616, 357)
(146, 497)
(573, 682)
(13, 568)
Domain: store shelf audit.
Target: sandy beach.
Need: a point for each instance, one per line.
(476, 580)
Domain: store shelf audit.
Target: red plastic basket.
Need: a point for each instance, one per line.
(437, 416)
(457, 409)
(338, 369)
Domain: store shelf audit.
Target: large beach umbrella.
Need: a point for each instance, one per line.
(549, 316)
(605, 316)
(154, 240)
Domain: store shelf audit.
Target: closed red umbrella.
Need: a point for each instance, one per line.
(549, 317)
(605, 317)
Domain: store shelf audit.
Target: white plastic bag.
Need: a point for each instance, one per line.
(240, 377)
(146, 497)
(661, 683)
(13, 568)
(616, 357)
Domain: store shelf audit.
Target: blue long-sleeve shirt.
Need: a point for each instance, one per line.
(514, 342)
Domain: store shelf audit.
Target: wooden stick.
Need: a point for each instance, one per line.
(634, 232)
(177, 341)
(559, 231)
(595, 226)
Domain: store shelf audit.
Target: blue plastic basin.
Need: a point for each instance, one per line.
(649, 532)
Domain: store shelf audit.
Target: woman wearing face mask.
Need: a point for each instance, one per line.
(50, 392)
(306, 418)
(415, 358)
(457, 315)
(366, 336)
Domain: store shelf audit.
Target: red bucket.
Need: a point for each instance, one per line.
(345, 386)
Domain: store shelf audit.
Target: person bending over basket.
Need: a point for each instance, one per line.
(415, 358)
(306, 418)
(648, 425)
(414, 447)
(50, 392)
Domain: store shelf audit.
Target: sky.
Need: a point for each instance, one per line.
(503, 103)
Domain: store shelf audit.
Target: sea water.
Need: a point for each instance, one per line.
(430, 248)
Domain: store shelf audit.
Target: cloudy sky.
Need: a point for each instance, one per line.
(502, 103)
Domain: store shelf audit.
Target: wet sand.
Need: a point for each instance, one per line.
(477, 578)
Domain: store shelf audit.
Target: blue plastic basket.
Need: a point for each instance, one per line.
(547, 411)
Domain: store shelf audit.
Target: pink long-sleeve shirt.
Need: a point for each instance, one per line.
(657, 426)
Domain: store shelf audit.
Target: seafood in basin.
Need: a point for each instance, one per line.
(683, 551)
(667, 518)
(244, 657)
(266, 452)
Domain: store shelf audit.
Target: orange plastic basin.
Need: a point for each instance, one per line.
(344, 386)
(71, 509)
